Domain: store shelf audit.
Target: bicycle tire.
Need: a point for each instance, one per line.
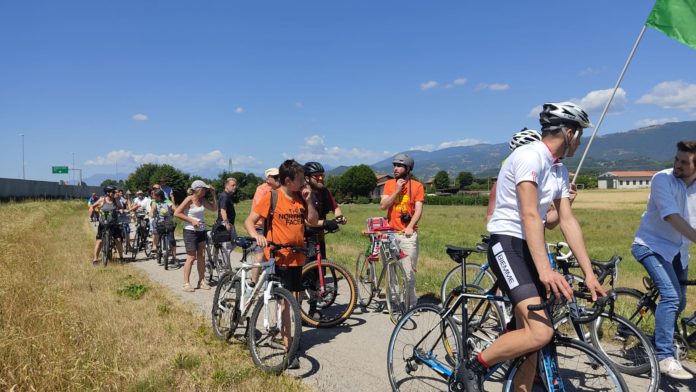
(268, 353)
(442, 341)
(629, 304)
(164, 247)
(225, 313)
(365, 280)
(338, 300)
(224, 264)
(453, 279)
(486, 320)
(106, 246)
(135, 245)
(588, 378)
(146, 244)
(626, 346)
(397, 304)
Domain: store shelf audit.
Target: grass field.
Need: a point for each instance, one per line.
(71, 327)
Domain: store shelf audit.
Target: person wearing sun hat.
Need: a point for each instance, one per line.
(192, 212)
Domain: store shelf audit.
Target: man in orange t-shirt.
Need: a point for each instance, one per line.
(403, 197)
(287, 227)
(272, 182)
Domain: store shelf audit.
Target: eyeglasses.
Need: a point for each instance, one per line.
(318, 175)
(275, 177)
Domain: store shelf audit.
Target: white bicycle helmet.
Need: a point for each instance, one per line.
(568, 113)
(525, 136)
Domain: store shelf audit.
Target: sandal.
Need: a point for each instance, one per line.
(187, 288)
(203, 285)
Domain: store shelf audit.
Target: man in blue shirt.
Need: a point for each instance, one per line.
(658, 245)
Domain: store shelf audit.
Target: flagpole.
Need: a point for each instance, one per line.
(611, 98)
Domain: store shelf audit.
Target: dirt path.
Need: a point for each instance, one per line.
(351, 357)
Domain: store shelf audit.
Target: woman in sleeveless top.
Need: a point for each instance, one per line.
(192, 212)
(107, 205)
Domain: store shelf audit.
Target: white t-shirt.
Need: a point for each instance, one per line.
(144, 203)
(532, 162)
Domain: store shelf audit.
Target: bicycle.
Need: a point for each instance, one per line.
(382, 246)
(639, 307)
(217, 257)
(109, 223)
(164, 227)
(142, 235)
(329, 289)
(430, 347)
(235, 296)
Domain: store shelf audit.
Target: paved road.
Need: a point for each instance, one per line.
(351, 357)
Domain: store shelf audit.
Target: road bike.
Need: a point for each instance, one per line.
(329, 288)
(142, 241)
(257, 308)
(383, 246)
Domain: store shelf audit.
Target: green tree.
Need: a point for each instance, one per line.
(464, 179)
(357, 181)
(441, 180)
(108, 181)
(141, 178)
(178, 180)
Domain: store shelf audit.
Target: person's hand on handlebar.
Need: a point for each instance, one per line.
(555, 284)
(341, 220)
(595, 287)
(261, 240)
(330, 225)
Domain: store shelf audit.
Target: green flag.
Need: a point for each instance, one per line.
(676, 18)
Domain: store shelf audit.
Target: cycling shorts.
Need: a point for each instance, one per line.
(115, 231)
(290, 277)
(512, 264)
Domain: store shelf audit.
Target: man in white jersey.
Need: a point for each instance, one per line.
(529, 182)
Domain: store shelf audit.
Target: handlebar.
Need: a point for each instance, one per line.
(584, 318)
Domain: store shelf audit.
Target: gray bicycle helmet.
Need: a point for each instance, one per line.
(403, 159)
(563, 113)
(313, 168)
(109, 189)
(525, 136)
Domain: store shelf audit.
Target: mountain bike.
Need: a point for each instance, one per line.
(329, 289)
(217, 257)
(427, 348)
(382, 247)
(109, 223)
(237, 299)
(164, 226)
(142, 236)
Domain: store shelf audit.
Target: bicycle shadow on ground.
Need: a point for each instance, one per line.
(673, 385)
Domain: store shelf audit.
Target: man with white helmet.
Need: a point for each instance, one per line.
(403, 197)
(528, 183)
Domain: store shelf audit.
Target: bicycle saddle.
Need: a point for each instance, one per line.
(458, 254)
(244, 242)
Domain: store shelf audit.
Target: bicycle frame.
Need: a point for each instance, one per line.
(381, 241)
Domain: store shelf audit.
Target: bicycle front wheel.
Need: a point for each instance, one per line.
(335, 303)
(424, 350)
(226, 312)
(274, 331)
(579, 367)
(397, 303)
(106, 247)
(476, 275)
(365, 280)
(626, 347)
(135, 245)
(164, 247)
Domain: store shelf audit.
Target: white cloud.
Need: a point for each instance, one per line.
(239, 110)
(648, 122)
(315, 149)
(675, 94)
(534, 112)
(186, 162)
(428, 85)
(594, 102)
(453, 143)
(459, 82)
(140, 117)
(492, 86)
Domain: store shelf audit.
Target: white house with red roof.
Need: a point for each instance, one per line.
(625, 179)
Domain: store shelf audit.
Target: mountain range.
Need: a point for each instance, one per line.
(648, 148)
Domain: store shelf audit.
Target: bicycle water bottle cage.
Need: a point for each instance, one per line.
(647, 282)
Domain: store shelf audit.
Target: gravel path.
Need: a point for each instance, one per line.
(351, 357)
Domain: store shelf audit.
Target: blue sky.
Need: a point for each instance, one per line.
(198, 83)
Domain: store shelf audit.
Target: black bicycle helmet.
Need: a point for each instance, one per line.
(313, 168)
(403, 159)
(109, 189)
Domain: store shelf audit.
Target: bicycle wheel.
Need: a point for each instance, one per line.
(106, 247)
(424, 349)
(397, 303)
(270, 350)
(626, 346)
(223, 266)
(135, 244)
(476, 275)
(365, 279)
(225, 312)
(164, 247)
(336, 303)
(580, 368)
(486, 318)
(630, 304)
(146, 244)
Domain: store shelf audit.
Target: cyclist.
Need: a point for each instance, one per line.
(403, 197)
(226, 212)
(108, 204)
(272, 182)
(661, 245)
(94, 214)
(293, 208)
(192, 212)
(161, 209)
(529, 181)
(168, 191)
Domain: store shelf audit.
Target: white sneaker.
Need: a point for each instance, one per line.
(672, 368)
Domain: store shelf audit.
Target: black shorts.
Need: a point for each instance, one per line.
(290, 277)
(192, 239)
(116, 231)
(512, 264)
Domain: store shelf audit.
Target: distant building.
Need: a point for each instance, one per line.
(625, 179)
(379, 189)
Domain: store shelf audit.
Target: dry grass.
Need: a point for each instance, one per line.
(611, 199)
(68, 326)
